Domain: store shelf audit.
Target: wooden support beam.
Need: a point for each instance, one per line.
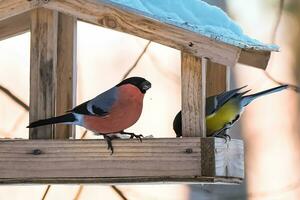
(66, 71)
(14, 26)
(153, 160)
(227, 159)
(53, 70)
(193, 83)
(111, 16)
(259, 59)
(114, 17)
(10, 8)
(217, 79)
(43, 64)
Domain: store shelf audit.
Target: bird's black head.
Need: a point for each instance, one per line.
(177, 125)
(139, 82)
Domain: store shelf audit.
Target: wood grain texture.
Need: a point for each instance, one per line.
(120, 19)
(217, 79)
(10, 8)
(43, 64)
(259, 59)
(229, 158)
(14, 26)
(193, 79)
(89, 161)
(226, 160)
(66, 71)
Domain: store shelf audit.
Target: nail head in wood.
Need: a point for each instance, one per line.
(36, 152)
(189, 150)
(191, 44)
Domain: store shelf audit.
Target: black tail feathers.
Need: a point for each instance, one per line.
(53, 120)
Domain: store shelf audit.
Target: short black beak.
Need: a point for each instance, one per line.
(146, 85)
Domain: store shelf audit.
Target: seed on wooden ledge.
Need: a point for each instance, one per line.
(36, 152)
(189, 150)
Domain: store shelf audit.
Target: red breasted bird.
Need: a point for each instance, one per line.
(111, 112)
(223, 110)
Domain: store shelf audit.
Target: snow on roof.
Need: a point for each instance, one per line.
(196, 16)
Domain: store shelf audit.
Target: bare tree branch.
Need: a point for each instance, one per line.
(279, 16)
(17, 122)
(137, 61)
(46, 192)
(84, 134)
(119, 192)
(79, 191)
(293, 87)
(14, 97)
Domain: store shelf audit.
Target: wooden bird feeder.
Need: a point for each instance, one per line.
(193, 158)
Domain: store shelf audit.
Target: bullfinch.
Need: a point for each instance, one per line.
(110, 112)
(223, 110)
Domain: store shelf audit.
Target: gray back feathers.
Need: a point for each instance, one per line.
(213, 103)
(103, 102)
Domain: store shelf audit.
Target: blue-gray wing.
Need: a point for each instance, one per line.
(213, 103)
(100, 105)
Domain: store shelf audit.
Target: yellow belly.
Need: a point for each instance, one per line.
(227, 113)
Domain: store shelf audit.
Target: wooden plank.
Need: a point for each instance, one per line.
(89, 161)
(229, 158)
(10, 8)
(193, 80)
(66, 71)
(14, 26)
(43, 60)
(226, 160)
(120, 19)
(217, 79)
(257, 59)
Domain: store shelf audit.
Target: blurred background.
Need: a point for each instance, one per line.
(269, 126)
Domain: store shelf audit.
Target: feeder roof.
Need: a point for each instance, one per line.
(196, 16)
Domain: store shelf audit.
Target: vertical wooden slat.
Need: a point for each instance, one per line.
(193, 76)
(43, 60)
(217, 80)
(66, 71)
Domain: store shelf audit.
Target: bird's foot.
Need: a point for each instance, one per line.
(226, 137)
(109, 143)
(132, 135)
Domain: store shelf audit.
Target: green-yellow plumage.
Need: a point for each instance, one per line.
(227, 113)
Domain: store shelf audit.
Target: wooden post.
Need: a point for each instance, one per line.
(43, 57)
(52, 83)
(193, 80)
(66, 71)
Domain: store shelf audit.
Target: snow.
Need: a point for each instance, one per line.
(196, 16)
